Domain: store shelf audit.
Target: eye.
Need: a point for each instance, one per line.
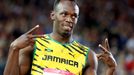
(74, 16)
(64, 14)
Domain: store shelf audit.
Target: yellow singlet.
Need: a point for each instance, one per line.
(53, 58)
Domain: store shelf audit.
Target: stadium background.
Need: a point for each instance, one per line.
(98, 19)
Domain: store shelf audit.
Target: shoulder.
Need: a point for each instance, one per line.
(92, 63)
(92, 59)
(92, 55)
(80, 45)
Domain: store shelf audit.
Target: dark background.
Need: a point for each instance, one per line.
(98, 19)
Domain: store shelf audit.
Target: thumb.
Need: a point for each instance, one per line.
(98, 55)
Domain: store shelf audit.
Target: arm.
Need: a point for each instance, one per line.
(12, 65)
(25, 59)
(93, 64)
(19, 60)
(18, 49)
(19, 53)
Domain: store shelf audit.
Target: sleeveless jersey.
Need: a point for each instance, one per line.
(53, 58)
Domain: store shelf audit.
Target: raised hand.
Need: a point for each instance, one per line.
(26, 39)
(106, 56)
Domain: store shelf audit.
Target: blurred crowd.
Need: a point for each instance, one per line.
(98, 19)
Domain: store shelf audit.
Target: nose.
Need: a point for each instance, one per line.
(69, 19)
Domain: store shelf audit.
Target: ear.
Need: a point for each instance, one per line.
(52, 15)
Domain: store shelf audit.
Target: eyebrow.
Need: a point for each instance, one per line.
(64, 11)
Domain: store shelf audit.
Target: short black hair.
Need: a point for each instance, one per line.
(56, 2)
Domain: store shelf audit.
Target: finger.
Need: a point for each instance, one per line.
(98, 55)
(32, 40)
(102, 58)
(35, 36)
(33, 29)
(103, 43)
(107, 44)
(32, 43)
(103, 48)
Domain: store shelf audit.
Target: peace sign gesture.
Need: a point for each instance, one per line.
(26, 39)
(106, 56)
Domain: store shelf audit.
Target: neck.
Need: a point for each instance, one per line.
(61, 38)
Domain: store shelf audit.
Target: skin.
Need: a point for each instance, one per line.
(64, 18)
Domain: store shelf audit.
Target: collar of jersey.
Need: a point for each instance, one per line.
(72, 41)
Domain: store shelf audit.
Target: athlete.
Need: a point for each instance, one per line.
(56, 53)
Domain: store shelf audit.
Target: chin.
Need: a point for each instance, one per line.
(66, 34)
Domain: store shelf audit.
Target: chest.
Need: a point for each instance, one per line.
(52, 55)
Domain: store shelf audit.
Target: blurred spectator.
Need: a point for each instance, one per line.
(129, 60)
(98, 19)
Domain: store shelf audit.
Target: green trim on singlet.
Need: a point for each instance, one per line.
(34, 48)
(57, 41)
(33, 55)
(87, 55)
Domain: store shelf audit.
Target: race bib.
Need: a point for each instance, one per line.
(49, 71)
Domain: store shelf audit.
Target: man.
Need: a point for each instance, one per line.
(56, 53)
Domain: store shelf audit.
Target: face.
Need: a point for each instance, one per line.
(65, 17)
